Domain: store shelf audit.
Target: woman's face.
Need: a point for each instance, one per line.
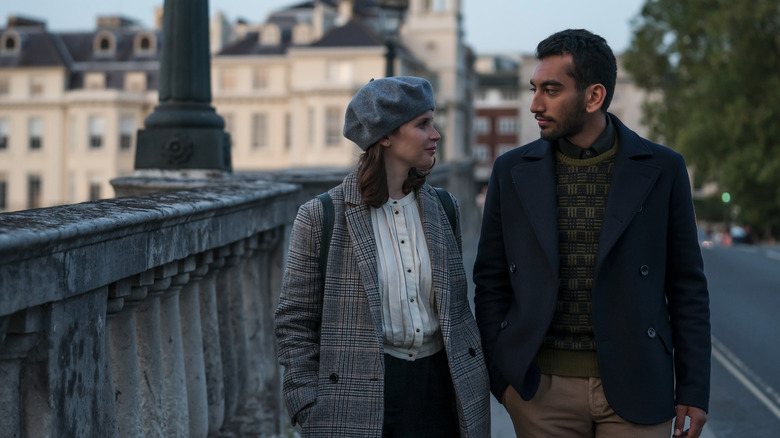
(413, 144)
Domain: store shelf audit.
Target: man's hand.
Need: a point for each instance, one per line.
(698, 418)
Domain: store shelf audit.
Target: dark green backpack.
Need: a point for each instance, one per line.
(328, 216)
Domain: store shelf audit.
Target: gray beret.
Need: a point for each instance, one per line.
(383, 105)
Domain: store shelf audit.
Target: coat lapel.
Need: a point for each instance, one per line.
(631, 183)
(431, 218)
(534, 181)
(358, 218)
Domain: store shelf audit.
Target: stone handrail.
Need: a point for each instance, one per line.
(144, 316)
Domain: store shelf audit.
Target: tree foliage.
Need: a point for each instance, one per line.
(714, 66)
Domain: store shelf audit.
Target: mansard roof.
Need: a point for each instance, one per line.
(355, 33)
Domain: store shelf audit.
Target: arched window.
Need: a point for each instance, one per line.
(145, 44)
(105, 43)
(9, 43)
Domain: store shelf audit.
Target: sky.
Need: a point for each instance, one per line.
(491, 26)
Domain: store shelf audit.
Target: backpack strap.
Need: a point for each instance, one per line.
(449, 207)
(328, 216)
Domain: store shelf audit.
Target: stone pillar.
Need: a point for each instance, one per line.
(177, 424)
(18, 335)
(212, 347)
(150, 358)
(184, 131)
(192, 345)
(230, 366)
(121, 319)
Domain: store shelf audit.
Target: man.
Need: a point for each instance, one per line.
(590, 292)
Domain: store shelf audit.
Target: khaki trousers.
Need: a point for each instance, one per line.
(570, 407)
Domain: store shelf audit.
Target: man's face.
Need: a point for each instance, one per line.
(557, 105)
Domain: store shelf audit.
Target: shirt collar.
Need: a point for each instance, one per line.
(603, 143)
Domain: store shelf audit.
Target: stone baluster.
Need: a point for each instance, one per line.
(192, 346)
(232, 330)
(123, 300)
(18, 335)
(212, 346)
(177, 424)
(272, 252)
(150, 356)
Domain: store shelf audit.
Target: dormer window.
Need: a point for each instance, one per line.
(270, 35)
(9, 43)
(105, 44)
(145, 44)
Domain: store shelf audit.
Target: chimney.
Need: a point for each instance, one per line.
(345, 10)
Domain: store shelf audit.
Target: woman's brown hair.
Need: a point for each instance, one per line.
(372, 177)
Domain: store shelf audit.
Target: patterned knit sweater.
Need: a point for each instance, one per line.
(569, 349)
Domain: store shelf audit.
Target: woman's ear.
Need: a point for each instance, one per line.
(385, 142)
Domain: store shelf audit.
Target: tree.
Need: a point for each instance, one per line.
(714, 67)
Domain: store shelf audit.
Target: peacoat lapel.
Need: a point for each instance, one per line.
(358, 218)
(632, 181)
(534, 180)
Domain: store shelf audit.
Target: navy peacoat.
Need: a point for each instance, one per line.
(650, 298)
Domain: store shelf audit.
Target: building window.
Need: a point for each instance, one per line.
(126, 131)
(260, 79)
(33, 191)
(311, 126)
(507, 125)
(333, 126)
(509, 95)
(96, 128)
(3, 193)
(10, 44)
(227, 79)
(5, 130)
(482, 125)
(36, 86)
(229, 126)
(259, 131)
(94, 189)
(5, 85)
(287, 131)
(340, 71)
(104, 44)
(35, 133)
(481, 153)
(95, 81)
(145, 44)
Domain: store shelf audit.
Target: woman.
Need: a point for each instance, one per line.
(387, 346)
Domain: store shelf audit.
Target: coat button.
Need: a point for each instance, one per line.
(472, 352)
(651, 333)
(334, 378)
(504, 324)
(644, 270)
(512, 268)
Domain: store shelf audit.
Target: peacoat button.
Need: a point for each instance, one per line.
(651, 333)
(504, 324)
(472, 352)
(512, 268)
(334, 378)
(644, 270)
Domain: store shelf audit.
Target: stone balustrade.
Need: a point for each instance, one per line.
(145, 316)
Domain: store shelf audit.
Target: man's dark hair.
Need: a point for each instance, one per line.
(593, 60)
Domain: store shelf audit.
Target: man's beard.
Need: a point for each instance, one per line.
(570, 125)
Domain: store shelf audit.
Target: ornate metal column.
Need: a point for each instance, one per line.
(184, 131)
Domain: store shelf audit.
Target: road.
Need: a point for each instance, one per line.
(744, 283)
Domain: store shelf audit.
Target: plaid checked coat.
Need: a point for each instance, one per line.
(330, 338)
